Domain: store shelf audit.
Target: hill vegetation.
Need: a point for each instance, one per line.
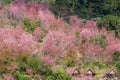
(35, 44)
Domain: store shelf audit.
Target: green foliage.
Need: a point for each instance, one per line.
(86, 8)
(22, 61)
(116, 57)
(45, 70)
(64, 7)
(34, 63)
(100, 40)
(52, 1)
(99, 67)
(21, 76)
(111, 7)
(49, 1)
(118, 67)
(95, 65)
(70, 60)
(59, 74)
(36, 0)
(30, 25)
(111, 23)
(6, 2)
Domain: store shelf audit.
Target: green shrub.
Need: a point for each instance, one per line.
(86, 8)
(30, 25)
(36, 0)
(6, 2)
(45, 70)
(116, 57)
(35, 63)
(100, 40)
(21, 76)
(118, 67)
(59, 74)
(70, 60)
(111, 23)
(22, 61)
(96, 65)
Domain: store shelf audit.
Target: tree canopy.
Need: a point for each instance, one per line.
(86, 8)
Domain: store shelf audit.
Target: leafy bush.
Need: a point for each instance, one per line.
(36, 0)
(22, 61)
(95, 65)
(6, 2)
(35, 63)
(70, 60)
(118, 67)
(59, 74)
(116, 57)
(21, 76)
(30, 25)
(100, 40)
(45, 70)
(111, 23)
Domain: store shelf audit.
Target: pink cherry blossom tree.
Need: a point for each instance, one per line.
(17, 40)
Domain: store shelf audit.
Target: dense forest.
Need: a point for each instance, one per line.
(59, 39)
(86, 8)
